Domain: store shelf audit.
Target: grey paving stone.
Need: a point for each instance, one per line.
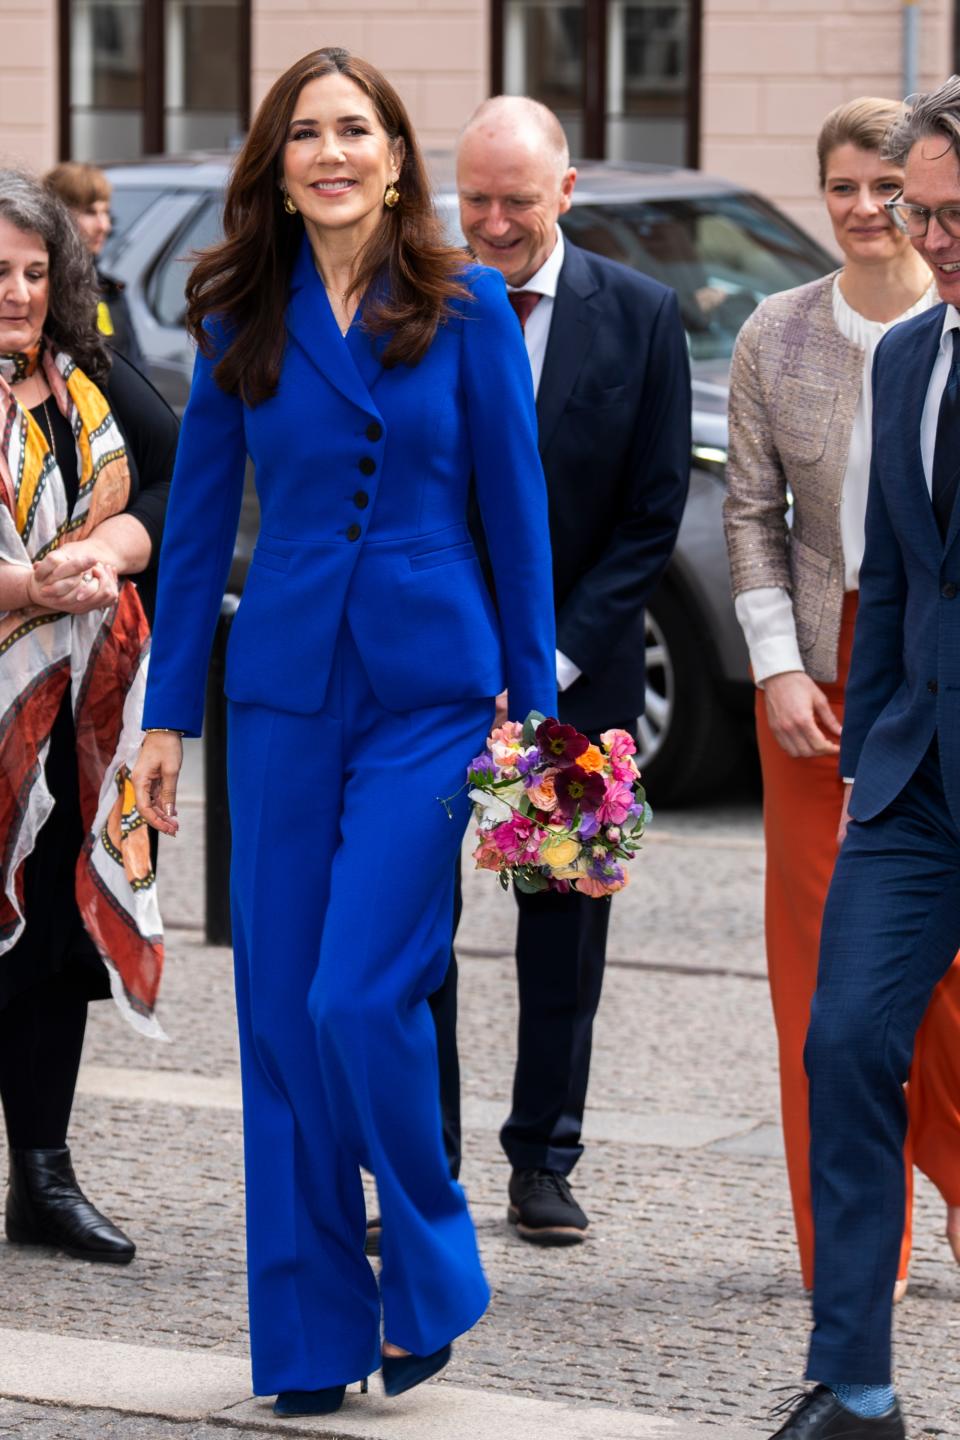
(684, 1303)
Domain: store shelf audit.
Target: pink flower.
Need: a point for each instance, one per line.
(509, 733)
(519, 840)
(621, 748)
(587, 885)
(615, 805)
(618, 744)
(613, 834)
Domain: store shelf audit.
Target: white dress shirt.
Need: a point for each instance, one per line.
(766, 613)
(536, 333)
(537, 330)
(939, 376)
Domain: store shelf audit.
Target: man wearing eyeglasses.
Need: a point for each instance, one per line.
(892, 921)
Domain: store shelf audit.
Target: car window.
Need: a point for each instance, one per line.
(166, 290)
(722, 254)
(128, 203)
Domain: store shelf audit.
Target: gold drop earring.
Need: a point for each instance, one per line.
(391, 196)
(288, 204)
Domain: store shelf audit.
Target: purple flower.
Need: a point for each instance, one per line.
(589, 825)
(578, 790)
(481, 765)
(561, 744)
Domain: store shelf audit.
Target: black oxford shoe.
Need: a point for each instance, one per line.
(45, 1206)
(819, 1415)
(543, 1208)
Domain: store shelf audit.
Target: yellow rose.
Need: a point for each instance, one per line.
(559, 851)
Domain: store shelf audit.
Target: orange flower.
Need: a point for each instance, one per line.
(591, 759)
(488, 856)
(543, 795)
(598, 888)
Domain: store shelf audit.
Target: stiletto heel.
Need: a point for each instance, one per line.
(402, 1372)
(364, 1386)
(310, 1402)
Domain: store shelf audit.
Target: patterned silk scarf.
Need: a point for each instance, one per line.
(102, 657)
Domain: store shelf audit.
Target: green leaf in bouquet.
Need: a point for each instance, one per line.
(530, 882)
(530, 726)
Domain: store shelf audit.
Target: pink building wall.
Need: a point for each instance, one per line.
(436, 52)
(771, 71)
(28, 97)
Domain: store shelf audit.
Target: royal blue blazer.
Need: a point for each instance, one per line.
(363, 475)
(904, 682)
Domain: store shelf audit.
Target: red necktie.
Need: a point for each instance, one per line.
(524, 303)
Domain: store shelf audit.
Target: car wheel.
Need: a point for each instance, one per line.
(689, 742)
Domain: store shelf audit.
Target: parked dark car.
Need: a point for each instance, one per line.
(722, 248)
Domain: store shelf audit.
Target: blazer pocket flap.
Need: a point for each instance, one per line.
(598, 399)
(803, 418)
(428, 559)
(810, 575)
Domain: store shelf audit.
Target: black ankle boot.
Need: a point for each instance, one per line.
(45, 1206)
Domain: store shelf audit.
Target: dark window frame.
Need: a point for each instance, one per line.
(595, 76)
(154, 115)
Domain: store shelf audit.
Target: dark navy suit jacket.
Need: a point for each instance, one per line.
(904, 680)
(613, 408)
(363, 475)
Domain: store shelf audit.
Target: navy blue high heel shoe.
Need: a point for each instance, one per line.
(402, 1372)
(312, 1402)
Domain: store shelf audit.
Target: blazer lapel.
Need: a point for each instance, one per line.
(311, 322)
(917, 368)
(572, 326)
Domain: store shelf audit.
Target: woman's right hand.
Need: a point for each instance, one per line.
(155, 778)
(800, 715)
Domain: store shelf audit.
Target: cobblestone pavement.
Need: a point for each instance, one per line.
(686, 1300)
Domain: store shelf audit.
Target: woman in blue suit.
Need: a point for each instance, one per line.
(369, 373)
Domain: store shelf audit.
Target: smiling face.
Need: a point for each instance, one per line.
(857, 183)
(94, 223)
(512, 192)
(932, 179)
(24, 287)
(338, 159)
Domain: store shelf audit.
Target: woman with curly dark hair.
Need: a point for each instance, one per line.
(86, 454)
(369, 372)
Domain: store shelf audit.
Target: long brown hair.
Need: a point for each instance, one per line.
(244, 280)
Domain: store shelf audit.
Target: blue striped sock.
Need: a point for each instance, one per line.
(867, 1401)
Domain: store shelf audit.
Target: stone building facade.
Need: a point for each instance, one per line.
(736, 86)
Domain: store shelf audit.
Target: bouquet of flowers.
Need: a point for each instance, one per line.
(553, 810)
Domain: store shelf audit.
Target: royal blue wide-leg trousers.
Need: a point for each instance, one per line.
(891, 928)
(342, 876)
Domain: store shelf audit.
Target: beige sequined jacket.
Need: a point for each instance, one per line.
(794, 386)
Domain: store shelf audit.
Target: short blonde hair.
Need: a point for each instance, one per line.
(864, 123)
(77, 185)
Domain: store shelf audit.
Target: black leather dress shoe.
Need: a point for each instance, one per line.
(819, 1415)
(543, 1208)
(374, 1230)
(45, 1206)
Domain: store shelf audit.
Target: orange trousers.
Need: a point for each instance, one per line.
(802, 800)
